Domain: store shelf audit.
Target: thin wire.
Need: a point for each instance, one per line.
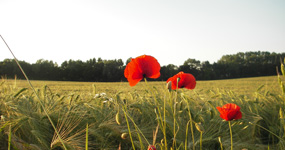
(34, 92)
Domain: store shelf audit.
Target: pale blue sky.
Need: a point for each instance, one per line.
(171, 31)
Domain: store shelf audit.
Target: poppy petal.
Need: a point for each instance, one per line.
(140, 67)
(238, 115)
(231, 106)
(230, 115)
(132, 73)
(230, 111)
(186, 80)
(149, 66)
(220, 109)
(133, 82)
(189, 81)
(174, 82)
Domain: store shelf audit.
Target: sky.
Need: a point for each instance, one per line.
(169, 30)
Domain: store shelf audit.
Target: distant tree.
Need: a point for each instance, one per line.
(128, 60)
(10, 69)
(192, 66)
(248, 64)
(113, 70)
(89, 73)
(98, 69)
(168, 71)
(45, 70)
(207, 71)
(72, 70)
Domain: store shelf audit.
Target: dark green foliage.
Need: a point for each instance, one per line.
(249, 64)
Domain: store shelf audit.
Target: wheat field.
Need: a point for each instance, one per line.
(88, 115)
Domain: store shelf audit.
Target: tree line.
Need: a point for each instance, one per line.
(242, 64)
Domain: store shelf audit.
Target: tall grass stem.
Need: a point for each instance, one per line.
(44, 109)
(191, 123)
(129, 129)
(164, 124)
(174, 115)
(127, 115)
(161, 122)
(186, 135)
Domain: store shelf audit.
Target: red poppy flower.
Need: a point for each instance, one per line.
(142, 67)
(230, 111)
(186, 80)
(151, 147)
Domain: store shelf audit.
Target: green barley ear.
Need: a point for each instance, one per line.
(283, 68)
(19, 92)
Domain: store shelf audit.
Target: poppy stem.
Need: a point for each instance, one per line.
(147, 86)
(159, 113)
(231, 134)
(174, 119)
(132, 120)
(174, 115)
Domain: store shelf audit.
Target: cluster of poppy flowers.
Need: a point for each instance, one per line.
(146, 66)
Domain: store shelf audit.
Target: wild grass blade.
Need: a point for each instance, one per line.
(7, 123)
(129, 129)
(43, 107)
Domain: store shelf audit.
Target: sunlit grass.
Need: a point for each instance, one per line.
(243, 86)
(143, 108)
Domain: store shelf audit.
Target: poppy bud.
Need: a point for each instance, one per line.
(118, 118)
(2, 118)
(199, 127)
(220, 139)
(124, 135)
(162, 142)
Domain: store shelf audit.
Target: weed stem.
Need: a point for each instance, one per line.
(44, 109)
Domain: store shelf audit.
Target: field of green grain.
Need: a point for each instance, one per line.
(243, 86)
(91, 115)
